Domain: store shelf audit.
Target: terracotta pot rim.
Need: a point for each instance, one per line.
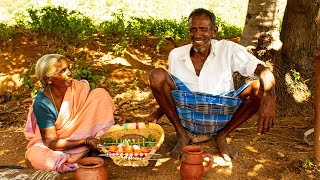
(91, 160)
(191, 147)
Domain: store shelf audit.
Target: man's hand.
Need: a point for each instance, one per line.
(267, 112)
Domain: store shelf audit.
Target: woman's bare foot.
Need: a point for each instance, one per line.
(178, 149)
(227, 152)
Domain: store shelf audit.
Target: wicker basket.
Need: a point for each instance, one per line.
(117, 131)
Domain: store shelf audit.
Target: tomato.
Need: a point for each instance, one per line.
(113, 148)
(145, 150)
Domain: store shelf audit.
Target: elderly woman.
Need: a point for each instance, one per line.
(65, 117)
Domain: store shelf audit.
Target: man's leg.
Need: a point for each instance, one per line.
(252, 97)
(161, 85)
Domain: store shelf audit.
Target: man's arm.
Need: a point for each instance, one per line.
(267, 110)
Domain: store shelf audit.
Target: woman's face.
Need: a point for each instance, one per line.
(63, 76)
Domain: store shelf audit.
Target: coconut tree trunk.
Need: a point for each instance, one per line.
(261, 31)
(262, 20)
(301, 46)
(296, 67)
(317, 106)
(299, 35)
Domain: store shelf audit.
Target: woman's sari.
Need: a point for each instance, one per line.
(83, 114)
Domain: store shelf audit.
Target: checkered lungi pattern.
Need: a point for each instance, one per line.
(202, 113)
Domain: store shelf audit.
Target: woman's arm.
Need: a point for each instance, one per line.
(50, 139)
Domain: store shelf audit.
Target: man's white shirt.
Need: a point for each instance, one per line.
(215, 77)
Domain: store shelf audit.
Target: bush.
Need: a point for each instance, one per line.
(6, 32)
(69, 26)
(227, 30)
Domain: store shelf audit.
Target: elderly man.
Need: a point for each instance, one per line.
(198, 94)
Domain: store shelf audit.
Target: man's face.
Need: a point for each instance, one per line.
(201, 32)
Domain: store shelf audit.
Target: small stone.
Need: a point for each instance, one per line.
(280, 154)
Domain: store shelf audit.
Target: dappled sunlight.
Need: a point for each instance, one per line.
(120, 60)
(262, 161)
(3, 152)
(140, 56)
(12, 67)
(270, 65)
(162, 64)
(297, 88)
(225, 170)
(161, 161)
(255, 170)
(136, 94)
(252, 149)
(9, 83)
(123, 75)
(220, 162)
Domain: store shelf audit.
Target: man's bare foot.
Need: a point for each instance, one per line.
(154, 116)
(227, 152)
(178, 149)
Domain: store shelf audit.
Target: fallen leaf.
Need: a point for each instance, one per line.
(281, 154)
(27, 100)
(22, 162)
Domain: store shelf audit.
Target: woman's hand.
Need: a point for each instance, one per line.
(92, 143)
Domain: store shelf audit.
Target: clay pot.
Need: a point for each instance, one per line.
(191, 165)
(91, 168)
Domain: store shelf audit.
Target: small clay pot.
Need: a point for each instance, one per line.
(191, 166)
(91, 168)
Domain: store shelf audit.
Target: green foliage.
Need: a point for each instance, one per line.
(73, 27)
(227, 30)
(88, 75)
(11, 96)
(295, 74)
(69, 26)
(81, 71)
(308, 163)
(115, 27)
(136, 27)
(6, 32)
(28, 82)
(26, 77)
(119, 48)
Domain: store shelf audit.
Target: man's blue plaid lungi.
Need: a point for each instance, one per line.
(203, 113)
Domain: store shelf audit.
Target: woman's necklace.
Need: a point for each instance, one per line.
(54, 103)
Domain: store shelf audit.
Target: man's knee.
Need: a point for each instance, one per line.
(157, 77)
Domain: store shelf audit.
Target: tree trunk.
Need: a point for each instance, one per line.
(262, 20)
(261, 31)
(295, 70)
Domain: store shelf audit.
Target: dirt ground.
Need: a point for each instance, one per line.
(280, 154)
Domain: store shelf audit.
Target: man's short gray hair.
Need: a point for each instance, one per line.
(202, 11)
(45, 67)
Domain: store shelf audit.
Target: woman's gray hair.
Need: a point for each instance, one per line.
(45, 67)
